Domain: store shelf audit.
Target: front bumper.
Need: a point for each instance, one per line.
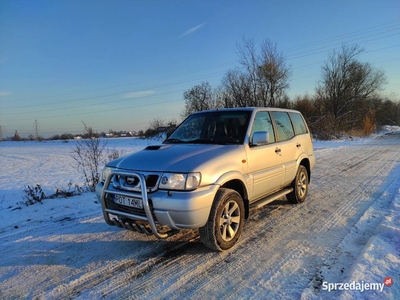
(174, 209)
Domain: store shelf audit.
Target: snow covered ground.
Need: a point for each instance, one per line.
(343, 242)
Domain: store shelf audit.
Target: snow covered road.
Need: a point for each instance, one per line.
(347, 230)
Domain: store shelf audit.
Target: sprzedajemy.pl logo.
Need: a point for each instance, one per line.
(357, 286)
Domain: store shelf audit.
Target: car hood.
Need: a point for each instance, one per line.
(171, 157)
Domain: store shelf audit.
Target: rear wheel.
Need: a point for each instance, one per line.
(300, 186)
(225, 223)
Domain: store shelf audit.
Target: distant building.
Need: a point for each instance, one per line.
(16, 136)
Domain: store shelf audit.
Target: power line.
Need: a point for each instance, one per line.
(123, 92)
(302, 54)
(149, 104)
(97, 103)
(329, 48)
(346, 35)
(137, 98)
(306, 53)
(99, 111)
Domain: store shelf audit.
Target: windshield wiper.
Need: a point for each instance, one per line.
(195, 141)
(173, 141)
(202, 141)
(218, 141)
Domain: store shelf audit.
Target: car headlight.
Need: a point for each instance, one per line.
(105, 173)
(193, 180)
(180, 181)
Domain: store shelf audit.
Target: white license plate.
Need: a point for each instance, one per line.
(128, 201)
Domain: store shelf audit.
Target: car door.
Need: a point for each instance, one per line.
(264, 161)
(289, 144)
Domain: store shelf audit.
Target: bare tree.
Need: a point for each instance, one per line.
(155, 124)
(274, 74)
(238, 90)
(200, 97)
(250, 76)
(387, 111)
(157, 127)
(347, 84)
(262, 79)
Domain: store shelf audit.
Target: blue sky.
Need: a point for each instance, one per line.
(120, 64)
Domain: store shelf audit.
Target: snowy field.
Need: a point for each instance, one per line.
(342, 243)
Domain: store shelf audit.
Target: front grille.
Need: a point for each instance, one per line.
(132, 183)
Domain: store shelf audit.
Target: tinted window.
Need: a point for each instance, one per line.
(298, 123)
(283, 126)
(262, 122)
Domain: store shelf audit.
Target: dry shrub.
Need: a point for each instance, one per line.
(88, 156)
(324, 128)
(369, 122)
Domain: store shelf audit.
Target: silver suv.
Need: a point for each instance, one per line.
(209, 174)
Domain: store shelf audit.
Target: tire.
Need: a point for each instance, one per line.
(225, 222)
(300, 186)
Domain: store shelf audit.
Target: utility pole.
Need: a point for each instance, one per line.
(36, 127)
(3, 129)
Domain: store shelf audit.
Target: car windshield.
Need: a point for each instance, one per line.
(219, 127)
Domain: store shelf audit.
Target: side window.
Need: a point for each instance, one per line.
(283, 125)
(262, 122)
(298, 123)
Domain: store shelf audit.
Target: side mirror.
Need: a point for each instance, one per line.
(260, 138)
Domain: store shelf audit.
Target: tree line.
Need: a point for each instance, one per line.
(347, 98)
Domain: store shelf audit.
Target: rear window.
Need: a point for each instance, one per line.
(298, 123)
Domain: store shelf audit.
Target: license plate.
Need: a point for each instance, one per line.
(128, 201)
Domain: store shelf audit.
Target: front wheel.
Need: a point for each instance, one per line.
(299, 186)
(225, 223)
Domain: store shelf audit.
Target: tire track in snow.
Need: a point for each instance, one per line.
(281, 248)
(356, 203)
(336, 266)
(68, 259)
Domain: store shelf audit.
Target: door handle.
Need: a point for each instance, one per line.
(298, 145)
(277, 150)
